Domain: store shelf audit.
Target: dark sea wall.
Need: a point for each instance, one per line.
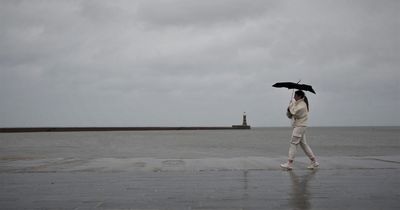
(77, 129)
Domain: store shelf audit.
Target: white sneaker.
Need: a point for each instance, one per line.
(313, 165)
(287, 166)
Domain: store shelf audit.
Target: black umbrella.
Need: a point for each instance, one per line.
(292, 85)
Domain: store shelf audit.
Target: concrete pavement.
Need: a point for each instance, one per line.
(333, 186)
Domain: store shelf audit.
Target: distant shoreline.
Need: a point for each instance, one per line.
(78, 129)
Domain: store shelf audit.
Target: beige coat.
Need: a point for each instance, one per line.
(297, 111)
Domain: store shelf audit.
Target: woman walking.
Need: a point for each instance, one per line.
(298, 112)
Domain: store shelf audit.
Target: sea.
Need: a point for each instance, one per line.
(197, 144)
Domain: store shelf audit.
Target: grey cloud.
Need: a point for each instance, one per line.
(187, 13)
(180, 62)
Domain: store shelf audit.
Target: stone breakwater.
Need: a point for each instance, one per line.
(78, 129)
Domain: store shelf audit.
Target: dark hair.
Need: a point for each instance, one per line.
(302, 95)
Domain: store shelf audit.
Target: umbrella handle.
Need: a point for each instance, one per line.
(293, 92)
(291, 97)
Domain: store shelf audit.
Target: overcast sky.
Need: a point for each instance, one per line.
(197, 62)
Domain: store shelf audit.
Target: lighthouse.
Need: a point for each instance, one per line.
(244, 119)
(244, 123)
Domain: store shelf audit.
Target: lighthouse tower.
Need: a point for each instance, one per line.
(244, 123)
(244, 119)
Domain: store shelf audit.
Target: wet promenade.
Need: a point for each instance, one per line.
(333, 186)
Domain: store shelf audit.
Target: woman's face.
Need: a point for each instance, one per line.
(296, 97)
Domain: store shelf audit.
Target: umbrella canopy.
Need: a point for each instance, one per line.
(292, 85)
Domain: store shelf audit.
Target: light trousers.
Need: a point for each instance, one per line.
(299, 138)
